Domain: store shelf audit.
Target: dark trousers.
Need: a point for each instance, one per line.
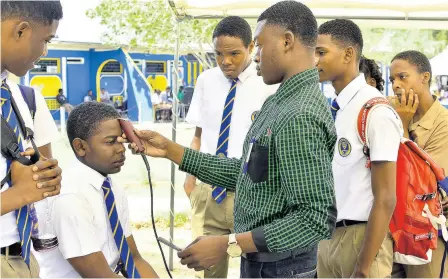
(299, 266)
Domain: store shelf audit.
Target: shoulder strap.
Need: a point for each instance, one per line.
(30, 98)
(362, 123)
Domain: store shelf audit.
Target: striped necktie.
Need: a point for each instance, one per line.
(23, 217)
(219, 193)
(117, 231)
(334, 108)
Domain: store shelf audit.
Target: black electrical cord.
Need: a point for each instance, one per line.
(148, 169)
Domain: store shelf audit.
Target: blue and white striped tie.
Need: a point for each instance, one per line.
(219, 193)
(23, 218)
(117, 231)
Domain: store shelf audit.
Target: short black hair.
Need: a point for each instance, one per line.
(295, 17)
(44, 12)
(60, 90)
(345, 31)
(83, 121)
(234, 26)
(369, 67)
(417, 59)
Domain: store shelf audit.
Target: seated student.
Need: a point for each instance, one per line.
(372, 73)
(91, 217)
(426, 122)
(365, 197)
(62, 100)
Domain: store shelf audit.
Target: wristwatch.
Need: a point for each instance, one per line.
(234, 250)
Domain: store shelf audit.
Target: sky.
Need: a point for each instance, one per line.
(75, 25)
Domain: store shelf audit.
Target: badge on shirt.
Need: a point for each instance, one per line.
(254, 115)
(344, 147)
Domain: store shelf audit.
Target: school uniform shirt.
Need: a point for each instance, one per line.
(45, 131)
(208, 102)
(80, 221)
(352, 180)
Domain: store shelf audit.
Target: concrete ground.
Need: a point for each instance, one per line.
(134, 178)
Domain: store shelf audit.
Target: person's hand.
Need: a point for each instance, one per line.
(204, 252)
(155, 145)
(405, 104)
(357, 273)
(38, 181)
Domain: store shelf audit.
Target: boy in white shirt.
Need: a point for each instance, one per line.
(91, 217)
(365, 197)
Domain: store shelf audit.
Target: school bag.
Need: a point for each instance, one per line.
(418, 213)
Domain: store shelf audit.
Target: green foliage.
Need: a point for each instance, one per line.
(151, 25)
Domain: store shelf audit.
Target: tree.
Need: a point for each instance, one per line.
(151, 25)
(383, 44)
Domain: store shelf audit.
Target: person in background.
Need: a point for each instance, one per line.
(89, 96)
(105, 97)
(62, 100)
(425, 121)
(372, 73)
(181, 94)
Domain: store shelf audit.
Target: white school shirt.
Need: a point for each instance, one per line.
(208, 102)
(45, 131)
(352, 180)
(80, 221)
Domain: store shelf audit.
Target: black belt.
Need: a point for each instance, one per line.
(347, 223)
(265, 257)
(14, 249)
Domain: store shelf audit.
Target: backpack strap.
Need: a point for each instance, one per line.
(363, 121)
(30, 99)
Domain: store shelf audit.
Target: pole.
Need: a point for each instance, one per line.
(175, 89)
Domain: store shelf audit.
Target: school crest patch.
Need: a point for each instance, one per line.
(344, 147)
(254, 115)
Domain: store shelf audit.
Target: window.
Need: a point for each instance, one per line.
(75, 60)
(158, 67)
(46, 66)
(112, 67)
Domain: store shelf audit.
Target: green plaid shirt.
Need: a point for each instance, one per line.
(294, 205)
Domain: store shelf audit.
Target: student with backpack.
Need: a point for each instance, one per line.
(365, 190)
(426, 123)
(27, 26)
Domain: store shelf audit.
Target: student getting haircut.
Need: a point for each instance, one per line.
(84, 120)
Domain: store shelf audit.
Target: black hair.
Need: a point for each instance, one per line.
(295, 17)
(417, 59)
(344, 31)
(370, 68)
(84, 120)
(234, 26)
(59, 90)
(44, 12)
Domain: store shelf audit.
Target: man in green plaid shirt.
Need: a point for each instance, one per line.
(285, 201)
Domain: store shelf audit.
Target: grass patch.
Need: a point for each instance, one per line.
(181, 220)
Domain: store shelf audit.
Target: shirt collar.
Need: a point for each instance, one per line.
(297, 81)
(4, 75)
(89, 175)
(347, 94)
(248, 72)
(430, 117)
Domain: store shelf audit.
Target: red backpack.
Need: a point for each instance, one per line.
(418, 213)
